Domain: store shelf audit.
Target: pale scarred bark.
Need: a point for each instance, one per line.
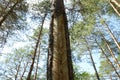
(60, 69)
(59, 66)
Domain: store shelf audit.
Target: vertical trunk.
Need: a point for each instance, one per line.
(35, 50)
(108, 59)
(16, 75)
(25, 67)
(112, 54)
(18, 68)
(93, 63)
(37, 64)
(59, 66)
(2, 19)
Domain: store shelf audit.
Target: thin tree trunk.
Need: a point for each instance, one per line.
(37, 64)
(35, 50)
(91, 57)
(24, 71)
(111, 34)
(18, 68)
(59, 64)
(114, 8)
(115, 2)
(16, 75)
(107, 59)
(111, 52)
(2, 19)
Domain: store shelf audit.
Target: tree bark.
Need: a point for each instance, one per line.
(59, 65)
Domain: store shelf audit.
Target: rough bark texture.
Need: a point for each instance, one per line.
(59, 55)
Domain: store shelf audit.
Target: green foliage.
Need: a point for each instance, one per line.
(90, 7)
(83, 28)
(105, 68)
(15, 20)
(42, 7)
(81, 75)
(18, 58)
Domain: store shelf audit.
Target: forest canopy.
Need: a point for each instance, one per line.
(59, 39)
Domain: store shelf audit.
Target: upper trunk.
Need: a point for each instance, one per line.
(2, 19)
(59, 56)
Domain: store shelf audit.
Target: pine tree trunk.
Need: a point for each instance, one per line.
(111, 34)
(35, 50)
(18, 68)
(112, 54)
(38, 56)
(93, 63)
(113, 37)
(59, 65)
(108, 59)
(113, 3)
(25, 68)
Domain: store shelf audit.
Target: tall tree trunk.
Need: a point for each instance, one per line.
(2, 19)
(113, 3)
(107, 59)
(35, 50)
(59, 64)
(91, 57)
(111, 52)
(25, 68)
(38, 56)
(111, 34)
(18, 68)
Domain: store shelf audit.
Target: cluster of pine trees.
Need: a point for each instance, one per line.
(78, 31)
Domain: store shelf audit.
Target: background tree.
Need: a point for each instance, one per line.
(13, 13)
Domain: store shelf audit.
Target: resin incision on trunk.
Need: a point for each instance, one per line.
(59, 66)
